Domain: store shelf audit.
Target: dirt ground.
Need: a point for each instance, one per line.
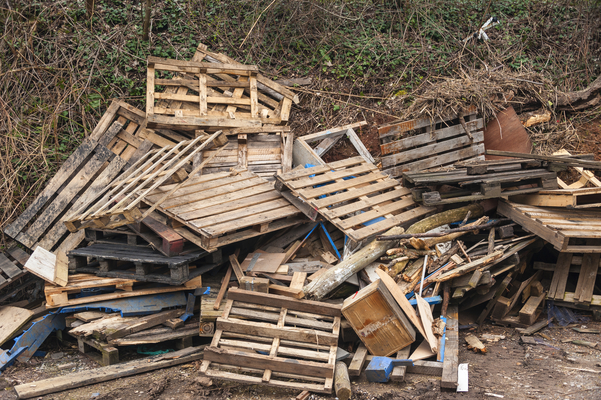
(553, 369)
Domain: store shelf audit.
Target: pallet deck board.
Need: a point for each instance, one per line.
(340, 190)
(564, 229)
(227, 207)
(420, 144)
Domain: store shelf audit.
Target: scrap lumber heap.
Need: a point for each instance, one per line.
(208, 194)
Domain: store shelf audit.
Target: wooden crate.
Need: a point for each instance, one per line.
(469, 186)
(299, 336)
(378, 320)
(132, 262)
(225, 208)
(354, 196)
(263, 153)
(421, 144)
(567, 230)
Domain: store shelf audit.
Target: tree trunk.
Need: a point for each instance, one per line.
(147, 20)
(336, 275)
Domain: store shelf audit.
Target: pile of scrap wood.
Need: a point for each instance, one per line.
(207, 194)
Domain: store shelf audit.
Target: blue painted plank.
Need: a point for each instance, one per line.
(133, 306)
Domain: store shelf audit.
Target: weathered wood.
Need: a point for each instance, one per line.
(425, 314)
(342, 382)
(529, 312)
(11, 320)
(378, 321)
(62, 383)
(358, 361)
(436, 220)
(451, 352)
(338, 274)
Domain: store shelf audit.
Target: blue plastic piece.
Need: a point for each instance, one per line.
(189, 307)
(28, 343)
(330, 240)
(8, 357)
(132, 306)
(40, 353)
(430, 300)
(380, 368)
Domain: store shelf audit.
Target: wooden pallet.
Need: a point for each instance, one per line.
(475, 187)
(567, 230)
(212, 91)
(133, 262)
(226, 208)
(585, 293)
(263, 153)
(300, 337)
(62, 296)
(11, 266)
(354, 196)
(118, 203)
(424, 143)
(91, 162)
(304, 154)
(567, 198)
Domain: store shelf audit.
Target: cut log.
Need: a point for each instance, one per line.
(336, 275)
(342, 383)
(436, 220)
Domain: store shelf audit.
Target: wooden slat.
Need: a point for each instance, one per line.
(451, 352)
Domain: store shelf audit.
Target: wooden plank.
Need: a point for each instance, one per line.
(586, 280)
(425, 314)
(431, 149)
(430, 137)
(359, 358)
(309, 306)
(451, 352)
(528, 313)
(276, 364)
(401, 300)
(437, 160)
(560, 276)
(10, 269)
(98, 375)
(11, 321)
(398, 372)
(42, 263)
(270, 330)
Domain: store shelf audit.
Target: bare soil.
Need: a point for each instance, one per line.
(553, 369)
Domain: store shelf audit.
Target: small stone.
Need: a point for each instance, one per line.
(66, 366)
(572, 360)
(57, 356)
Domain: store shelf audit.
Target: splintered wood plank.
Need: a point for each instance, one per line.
(103, 374)
(11, 320)
(586, 280)
(451, 352)
(560, 276)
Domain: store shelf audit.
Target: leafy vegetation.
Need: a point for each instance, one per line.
(59, 67)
